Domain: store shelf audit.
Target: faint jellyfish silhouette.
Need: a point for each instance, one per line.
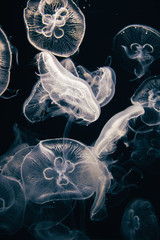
(58, 232)
(68, 94)
(57, 26)
(12, 205)
(62, 169)
(136, 47)
(139, 221)
(5, 62)
(115, 129)
(146, 153)
(68, 64)
(148, 95)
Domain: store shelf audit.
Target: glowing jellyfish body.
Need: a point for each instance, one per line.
(101, 81)
(68, 94)
(12, 205)
(146, 152)
(115, 129)
(5, 61)
(62, 169)
(136, 47)
(148, 95)
(57, 26)
(139, 221)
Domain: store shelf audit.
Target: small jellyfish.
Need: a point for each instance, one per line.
(59, 92)
(62, 169)
(139, 221)
(5, 62)
(146, 152)
(136, 47)
(148, 95)
(115, 129)
(57, 26)
(12, 205)
(101, 81)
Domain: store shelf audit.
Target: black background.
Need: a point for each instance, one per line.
(103, 20)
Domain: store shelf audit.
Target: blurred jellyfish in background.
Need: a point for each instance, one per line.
(59, 92)
(136, 47)
(146, 151)
(148, 95)
(5, 62)
(62, 169)
(57, 26)
(115, 129)
(139, 221)
(12, 205)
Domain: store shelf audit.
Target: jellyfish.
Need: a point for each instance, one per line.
(148, 95)
(5, 61)
(62, 169)
(12, 205)
(136, 47)
(59, 92)
(115, 129)
(57, 26)
(139, 221)
(146, 153)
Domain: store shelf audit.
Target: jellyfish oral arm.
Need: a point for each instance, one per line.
(114, 129)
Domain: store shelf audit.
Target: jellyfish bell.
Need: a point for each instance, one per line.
(57, 26)
(5, 61)
(71, 94)
(139, 221)
(148, 95)
(61, 169)
(12, 205)
(136, 47)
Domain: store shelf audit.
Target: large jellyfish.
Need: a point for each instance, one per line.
(60, 92)
(5, 62)
(146, 152)
(148, 95)
(12, 205)
(139, 221)
(136, 47)
(62, 169)
(54, 25)
(115, 129)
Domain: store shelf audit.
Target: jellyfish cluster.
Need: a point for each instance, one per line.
(44, 181)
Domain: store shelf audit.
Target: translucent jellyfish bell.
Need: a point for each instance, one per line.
(139, 221)
(5, 62)
(57, 26)
(59, 92)
(12, 205)
(62, 169)
(114, 129)
(136, 47)
(148, 95)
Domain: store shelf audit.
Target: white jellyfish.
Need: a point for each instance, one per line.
(5, 62)
(57, 26)
(12, 205)
(136, 47)
(62, 169)
(59, 92)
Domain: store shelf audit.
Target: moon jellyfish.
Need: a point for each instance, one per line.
(57, 26)
(59, 92)
(5, 62)
(62, 169)
(115, 129)
(148, 95)
(136, 47)
(139, 221)
(12, 205)
(146, 152)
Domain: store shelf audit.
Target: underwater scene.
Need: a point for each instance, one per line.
(80, 120)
